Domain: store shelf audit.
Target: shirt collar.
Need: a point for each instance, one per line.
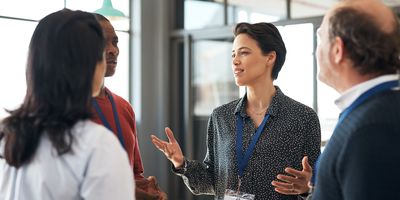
(273, 107)
(350, 95)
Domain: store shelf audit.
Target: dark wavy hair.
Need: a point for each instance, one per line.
(371, 50)
(268, 39)
(63, 53)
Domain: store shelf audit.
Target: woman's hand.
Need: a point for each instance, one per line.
(171, 149)
(297, 183)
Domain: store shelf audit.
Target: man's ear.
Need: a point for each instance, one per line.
(337, 50)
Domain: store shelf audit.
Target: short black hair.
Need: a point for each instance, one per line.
(268, 39)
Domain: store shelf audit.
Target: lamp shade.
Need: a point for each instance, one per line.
(108, 10)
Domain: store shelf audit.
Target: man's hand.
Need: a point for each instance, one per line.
(147, 189)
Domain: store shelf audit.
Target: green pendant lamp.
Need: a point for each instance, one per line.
(108, 10)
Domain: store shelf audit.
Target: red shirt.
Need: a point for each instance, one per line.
(128, 126)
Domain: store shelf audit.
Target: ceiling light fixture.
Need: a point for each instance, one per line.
(109, 11)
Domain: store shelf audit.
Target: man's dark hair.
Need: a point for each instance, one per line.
(100, 17)
(268, 39)
(371, 50)
(63, 53)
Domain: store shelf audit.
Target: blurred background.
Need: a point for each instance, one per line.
(175, 64)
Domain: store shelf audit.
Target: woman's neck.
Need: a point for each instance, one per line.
(259, 97)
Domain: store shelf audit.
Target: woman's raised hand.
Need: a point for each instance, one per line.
(297, 182)
(171, 149)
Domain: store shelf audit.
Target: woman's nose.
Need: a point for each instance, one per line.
(235, 61)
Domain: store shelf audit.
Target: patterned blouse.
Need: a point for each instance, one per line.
(291, 132)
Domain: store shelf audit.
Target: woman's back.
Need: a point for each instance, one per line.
(79, 174)
(51, 149)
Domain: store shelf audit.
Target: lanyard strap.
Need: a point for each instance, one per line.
(243, 160)
(116, 118)
(361, 99)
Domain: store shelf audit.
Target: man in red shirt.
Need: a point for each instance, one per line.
(117, 114)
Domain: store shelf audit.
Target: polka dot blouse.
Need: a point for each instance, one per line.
(291, 132)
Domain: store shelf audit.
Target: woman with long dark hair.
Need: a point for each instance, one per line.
(51, 148)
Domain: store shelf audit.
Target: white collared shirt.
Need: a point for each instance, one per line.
(350, 95)
(97, 168)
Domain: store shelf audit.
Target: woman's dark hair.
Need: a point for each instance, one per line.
(268, 39)
(371, 50)
(63, 53)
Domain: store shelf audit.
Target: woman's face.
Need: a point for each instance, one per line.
(249, 65)
(99, 76)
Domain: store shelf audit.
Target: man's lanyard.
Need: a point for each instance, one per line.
(361, 99)
(116, 118)
(243, 160)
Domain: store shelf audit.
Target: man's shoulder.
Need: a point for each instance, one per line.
(378, 113)
(382, 108)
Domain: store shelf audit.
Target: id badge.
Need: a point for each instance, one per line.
(234, 195)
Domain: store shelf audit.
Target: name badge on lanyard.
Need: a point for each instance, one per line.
(243, 159)
(116, 118)
(235, 195)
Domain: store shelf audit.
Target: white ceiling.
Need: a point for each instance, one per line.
(300, 8)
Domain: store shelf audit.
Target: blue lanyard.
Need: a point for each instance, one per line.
(116, 118)
(243, 160)
(361, 99)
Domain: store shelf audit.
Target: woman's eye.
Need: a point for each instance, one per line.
(243, 53)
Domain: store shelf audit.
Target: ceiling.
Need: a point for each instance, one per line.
(299, 8)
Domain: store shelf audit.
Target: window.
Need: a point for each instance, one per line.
(14, 37)
(257, 11)
(328, 112)
(35, 10)
(201, 14)
(212, 77)
(16, 34)
(296, 76)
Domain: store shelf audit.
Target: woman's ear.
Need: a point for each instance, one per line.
(271, 57)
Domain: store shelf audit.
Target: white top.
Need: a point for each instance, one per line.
(97, 169)
(350, 95)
